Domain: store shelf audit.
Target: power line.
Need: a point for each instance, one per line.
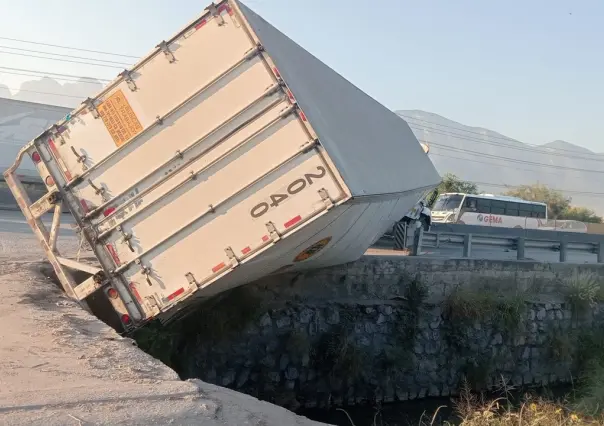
(45, 93)
(66, 56)
(483, 162)
(514, 160)
(499, 144)
(68, 47)
(587, 193)
(54, 78)
(500, 137)
(54, 73)
(61, 60)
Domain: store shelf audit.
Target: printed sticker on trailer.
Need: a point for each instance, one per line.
(312, 250)
(119, 118)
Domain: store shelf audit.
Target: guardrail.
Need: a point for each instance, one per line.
(406, 238)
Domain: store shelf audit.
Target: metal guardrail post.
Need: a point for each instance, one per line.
(400, 235)
(467, 245)
(418, 236)
(563, 251)
(520, 248)
(600, 252)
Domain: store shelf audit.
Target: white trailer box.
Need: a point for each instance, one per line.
(226, 154)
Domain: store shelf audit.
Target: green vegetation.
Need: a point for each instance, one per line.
(451, 183)
(583, 291)
(559, 206)
(465, 307)
(336, 354)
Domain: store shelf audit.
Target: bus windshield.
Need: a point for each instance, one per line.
(447, 202)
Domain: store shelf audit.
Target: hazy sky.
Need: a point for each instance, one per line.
(532, 70)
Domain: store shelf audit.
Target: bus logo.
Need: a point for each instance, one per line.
(489, 218)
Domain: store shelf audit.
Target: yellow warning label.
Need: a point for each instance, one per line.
(312, 250)
(119, 118)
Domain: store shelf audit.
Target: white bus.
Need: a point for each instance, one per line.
(490, 210)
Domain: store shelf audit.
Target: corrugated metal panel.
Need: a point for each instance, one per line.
(374, 150)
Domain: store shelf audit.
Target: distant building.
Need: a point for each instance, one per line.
(20, 122)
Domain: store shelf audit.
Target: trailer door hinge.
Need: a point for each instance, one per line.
(272, 231)
(145, 270)
(163, 46)
(126, 238)
(90, 104)
(325, 198)
(127, 76)
(55, 131)
(232, 257)
(216, 14)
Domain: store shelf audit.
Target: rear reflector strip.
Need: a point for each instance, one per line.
(276, 71)
(225, 7)
(176, 293)
(201, 24)
(218, 267)
(84, 206)
(113, 254)
(246, 250)
(290, 95)
(54, 150)
(293, 221)
(108, 211)
(135, 292)
(302, 115)
(266, 238)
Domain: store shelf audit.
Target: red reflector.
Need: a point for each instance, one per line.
(218, 267)
(302, 115)
(112, 293)
(126, 319)
(291, 96)
(276, 71)
(246, 250)
(201, 24)
(108, 211)
(49, 181)
(176, 294)
(36, 158)
(222, 8)
(266, 238)
(113, 254)
(84, 206)
(135, 292)
(293, 221)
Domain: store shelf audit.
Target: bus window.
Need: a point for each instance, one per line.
(511, 209)
(524, 212)
(447, 202)
(541, 211)
(483, 206)
(470, 204)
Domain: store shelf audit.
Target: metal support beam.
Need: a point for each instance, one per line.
(54, 227)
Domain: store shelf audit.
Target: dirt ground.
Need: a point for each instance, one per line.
(59, 365)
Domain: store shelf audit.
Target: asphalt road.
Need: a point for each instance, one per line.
(493, 253)
(14, 222)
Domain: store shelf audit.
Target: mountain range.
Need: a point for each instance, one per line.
(496, 162)
(492, 160)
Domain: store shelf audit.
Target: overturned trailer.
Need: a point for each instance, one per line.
(227, 154)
